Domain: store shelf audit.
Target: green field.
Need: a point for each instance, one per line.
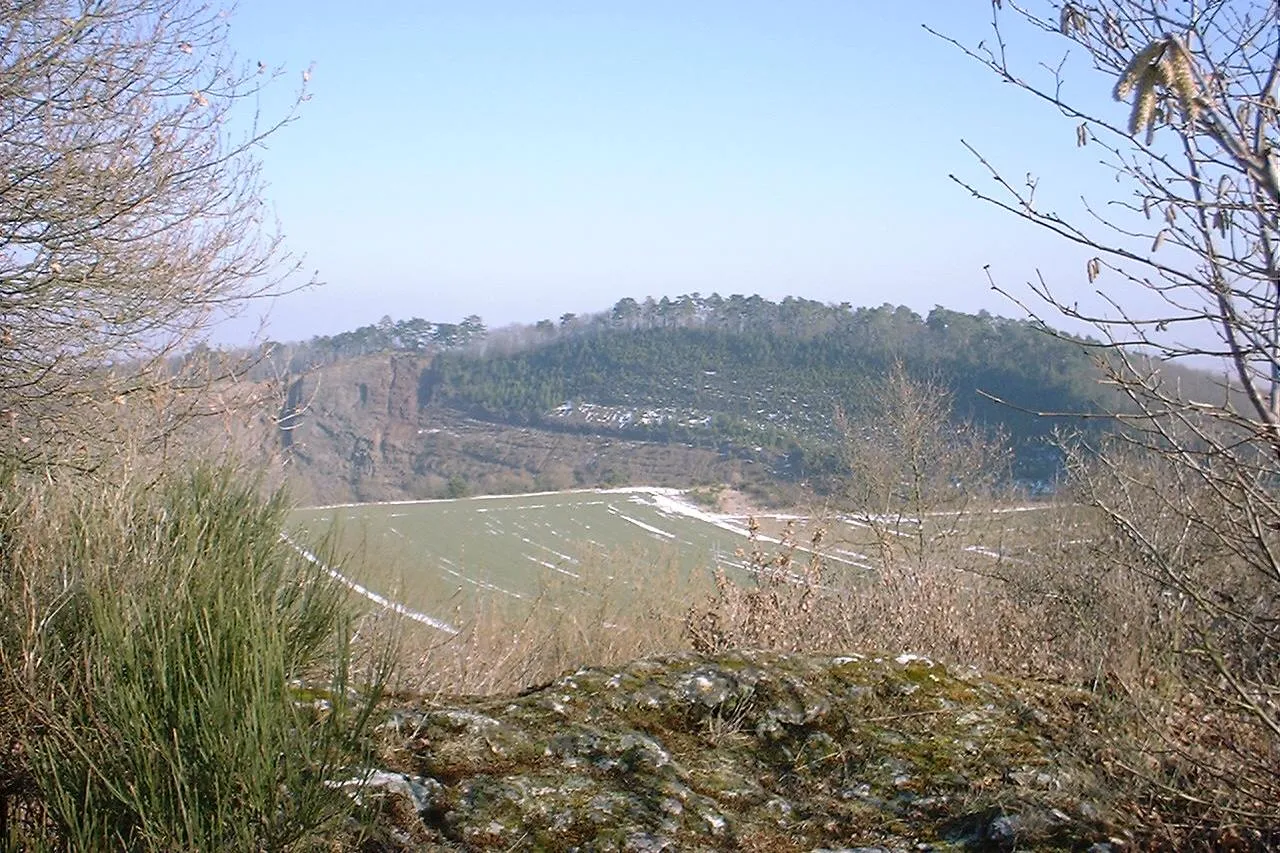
(436, 557)
(428, 554)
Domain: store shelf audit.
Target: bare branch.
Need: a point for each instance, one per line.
(130, 211)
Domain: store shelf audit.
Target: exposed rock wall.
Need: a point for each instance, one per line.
(351, 430)
(364, 429)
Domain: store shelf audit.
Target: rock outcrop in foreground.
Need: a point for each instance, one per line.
(746, 751)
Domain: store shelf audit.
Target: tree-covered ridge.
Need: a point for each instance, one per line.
(749, 367)
(387, 335)
(741, 374)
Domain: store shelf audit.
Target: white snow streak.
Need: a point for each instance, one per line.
(393, 606)
(995, 555)
(649, 527)
(553, 567)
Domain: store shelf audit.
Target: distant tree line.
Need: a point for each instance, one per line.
(741, 373)
(414, 335)
(772, 374)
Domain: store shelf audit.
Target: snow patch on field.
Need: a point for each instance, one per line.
(995, 555)
(393, 606)
(446, 563)
(517, 495)
(657, 531)
(669, 502)
(565, 557)
(561, 569)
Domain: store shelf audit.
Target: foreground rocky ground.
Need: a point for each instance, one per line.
(747, 751)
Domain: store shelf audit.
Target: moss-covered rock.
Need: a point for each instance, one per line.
(750, 751)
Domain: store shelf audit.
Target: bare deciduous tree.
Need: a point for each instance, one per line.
(914, 473)
(1191, 487)
(130, 211)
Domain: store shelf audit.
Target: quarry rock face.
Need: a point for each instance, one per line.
(365, 429)
(744, 751)
(352, 430)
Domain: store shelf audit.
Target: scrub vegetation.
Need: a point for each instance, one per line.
(922, 659)
(174, 675)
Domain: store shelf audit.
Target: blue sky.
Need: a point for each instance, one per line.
(520, 160)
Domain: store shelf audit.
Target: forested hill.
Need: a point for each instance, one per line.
(768, 375)
(736, 374)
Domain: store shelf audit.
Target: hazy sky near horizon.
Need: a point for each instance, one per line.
(521, 160)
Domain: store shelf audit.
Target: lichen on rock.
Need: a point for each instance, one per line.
(750, 751)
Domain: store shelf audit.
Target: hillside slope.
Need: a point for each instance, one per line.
(742, 390)
(355, 431)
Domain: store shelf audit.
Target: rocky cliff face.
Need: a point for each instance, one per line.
(365, 429)
(350, 431)
(745, 751)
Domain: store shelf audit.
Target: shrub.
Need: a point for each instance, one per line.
(156, 638)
